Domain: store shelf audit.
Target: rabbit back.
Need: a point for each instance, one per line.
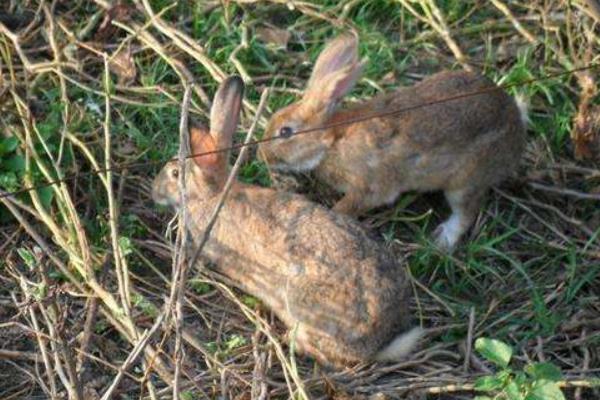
(342, 295)
(435, 144)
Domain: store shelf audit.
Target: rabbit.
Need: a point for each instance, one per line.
(343, 296)
(462, 146)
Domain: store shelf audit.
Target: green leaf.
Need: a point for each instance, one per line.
(16, 163)
(145, 305)
(512, 391)
(200, 287)
(46, 195)
(545, 390)
(494, 350)
(250, 301)
(520, 378)
(27, 257)
(544, 370)
(482, 398)
(9, 181)
(488, 384)
(234, 342)
(211, 347)
(504, 375)
(125, 246)
(40, 291)
(8, 145)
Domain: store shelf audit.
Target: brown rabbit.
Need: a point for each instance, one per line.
(343, 295)
(462, 146)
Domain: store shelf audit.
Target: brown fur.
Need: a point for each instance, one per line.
(461, 146)
(343, 296)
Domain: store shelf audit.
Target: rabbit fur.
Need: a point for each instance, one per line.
(462, 146)
(345, 297)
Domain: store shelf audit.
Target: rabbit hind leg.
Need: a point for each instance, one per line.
(465, 204)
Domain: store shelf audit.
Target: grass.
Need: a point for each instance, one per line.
(529, 269)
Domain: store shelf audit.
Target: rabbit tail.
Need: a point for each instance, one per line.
(523, 107)
(401, 346)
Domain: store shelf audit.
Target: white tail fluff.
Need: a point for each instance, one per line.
(523, 106)
(401, 346)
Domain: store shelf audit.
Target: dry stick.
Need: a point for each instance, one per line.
(18, 355)
(38, 67)
(82, 259)
(513, 20)
(149, 40)
(133, 355)
(120, 264)
(63, 86)
(52, 318)
(88, 326)
(231, 178)
(586, 362)
(67, 374)
(83, 264)
(113, 311)
(41, 342)
(264, 326)
(111, 308)
(180, 265)
(189, 46)
(7, 201)
(32, 331)
(233, 56)
(183, 41)
(592, 9)
(187, 335)
(436, 20)
(140, 31)
(469, 339)
(564, 191)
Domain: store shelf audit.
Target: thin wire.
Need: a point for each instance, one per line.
(350, 121)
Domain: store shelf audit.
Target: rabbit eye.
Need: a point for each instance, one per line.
(175, 173)
(285, 132)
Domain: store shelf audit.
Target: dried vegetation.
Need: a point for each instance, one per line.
(92, 95)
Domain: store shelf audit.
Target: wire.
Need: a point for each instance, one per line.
(350, 121)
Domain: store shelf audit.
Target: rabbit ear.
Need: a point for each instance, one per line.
(201, 142)
(326, 95)
(338, 55)
(225, 111)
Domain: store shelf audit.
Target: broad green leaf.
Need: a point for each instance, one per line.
(482, 398)
(8, 145)
(46, 195)
(494, 350)
(512, 391)
(545, 390)
(16, 163)
(544, 370)
(488, 383)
